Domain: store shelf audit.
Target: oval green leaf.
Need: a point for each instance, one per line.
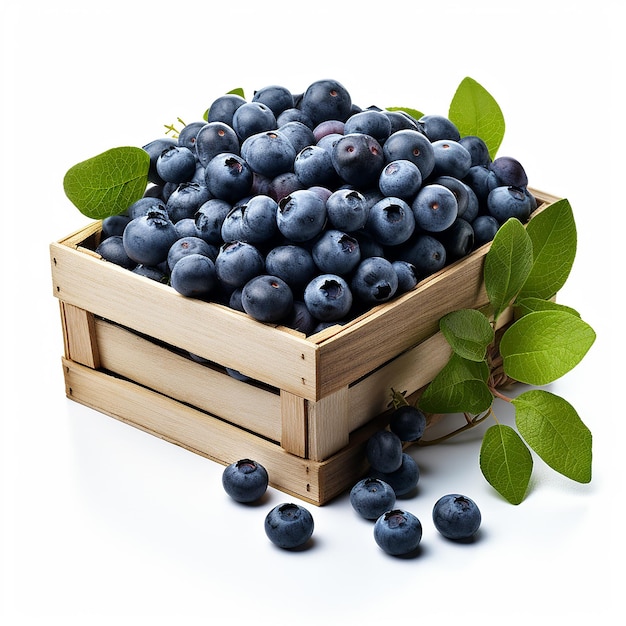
(508, 263)
(468, 332)
(506, 462)
(107, 184)
(414, 113)
(524, 306)
(553, 429)
(554, 238)
(460, 387)
(544, 345)
(475, 112)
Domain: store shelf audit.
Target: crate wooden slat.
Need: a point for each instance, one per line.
(142, 353)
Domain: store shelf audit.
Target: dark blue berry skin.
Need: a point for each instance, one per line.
(267, 298)
(435, 208)
(458, 240)
(369, 122)
(358, 159)
(283, 185)
(153, 273)
(147, 239)
(485, 229)
(408, 422)
(299, 134)
(473, 204)
(481, 180)
(407, 275)
(294, 264)
(328, 297)
(194, 276)
(215, 138)
(114, 225)
(144, 205)
(294, 115)
(401, 120)
(289, 526)
(176, 164)
(336, 252)
(437, 127)
(506, 202)
(391, 221)
(509, 172)
(460, 190)
(209, 219)
(245, 480)
(269, 153)
(425, 253)
(451, 159)
(301, 215)
(186, 227)
(154, 149)
(326, 100)
(477, 148)
(403, 480)
(401, 178)
(276, 97)
(328, 127)
(228, 177)
(185, 200)
(187, 136)
(456, 517)
(253, 220)
(374, 280)
(238, 262)
(300, 318)
(112, 249)
(384, 451)
(398, 532)
(347, 210)
(371, 497)
(411, 145)
(223, 108)
(189, 245)
(313, 166)
(251, 118)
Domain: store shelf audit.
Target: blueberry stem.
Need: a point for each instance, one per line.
(471, 422)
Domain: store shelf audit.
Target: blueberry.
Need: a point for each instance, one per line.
(425, 253)
(408, 422)
(326, 100)
(153, 273)
(269, 153)
(194, 276)
(114, 225)
(147, 239)
(391, 221)
(251, 118)
(300, 318)
(299, 134)
(371, 497)
(437, 127)
(189, 245)
(506, 202)
(328, 297)
(411, 145)
(404, 479)
(336, 252)
(215, 138)
(301, 215)
(253, 220)
(176, 164)
(289, 526)
(485, 229)
(451, 159)
(209, 219)
(398, 532)
(456, 517)
(245, 480)
(185, 200)
(283, 185)
(401, 120)
(458, 240)
(267, 298)
(186, 227)
(435, 208)
(481, 181)
(154, 149)
(228, 177)
(112, 249)
(144, 205)
(276, 97)
(294, 115)
(187, 136)
(477, 148)
(223, 108)
(384, 451)
(358, 159)
(347, 210)
(509, 172)
(407, 275)
(238, 262)
(293, 263)
(374, 280)
(460, 190)
(313, 165)
(369, 122)
(401, 178)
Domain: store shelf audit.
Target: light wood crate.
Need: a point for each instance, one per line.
(314, 400)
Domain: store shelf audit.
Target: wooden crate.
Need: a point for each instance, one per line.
(313, 401)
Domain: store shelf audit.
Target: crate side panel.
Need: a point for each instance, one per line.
(189, 428)
(214, 332)
(79, 335)
(160, 369)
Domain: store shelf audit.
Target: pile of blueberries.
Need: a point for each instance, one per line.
(393, 473)
(306, 210)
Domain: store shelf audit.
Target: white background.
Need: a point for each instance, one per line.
(103, 524)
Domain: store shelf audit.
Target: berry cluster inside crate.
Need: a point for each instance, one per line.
(138, 351)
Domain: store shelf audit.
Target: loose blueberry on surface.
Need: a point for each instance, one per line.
(384, 451)
(403, 480)
(371, 497)
(245, 480)
(408, 422)
(289, 526)
(398, 532)
(456, 516)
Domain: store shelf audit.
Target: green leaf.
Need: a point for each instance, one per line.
(506, 462)
(238, 91)
(552, 428)
(544, 345)
(414, 113)
(508, 263)
(524, 306)
(475, 112)
(468, 332)
(553, 233)
(460, 387)
(107, 184)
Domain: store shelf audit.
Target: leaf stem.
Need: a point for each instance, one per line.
(471, 422)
